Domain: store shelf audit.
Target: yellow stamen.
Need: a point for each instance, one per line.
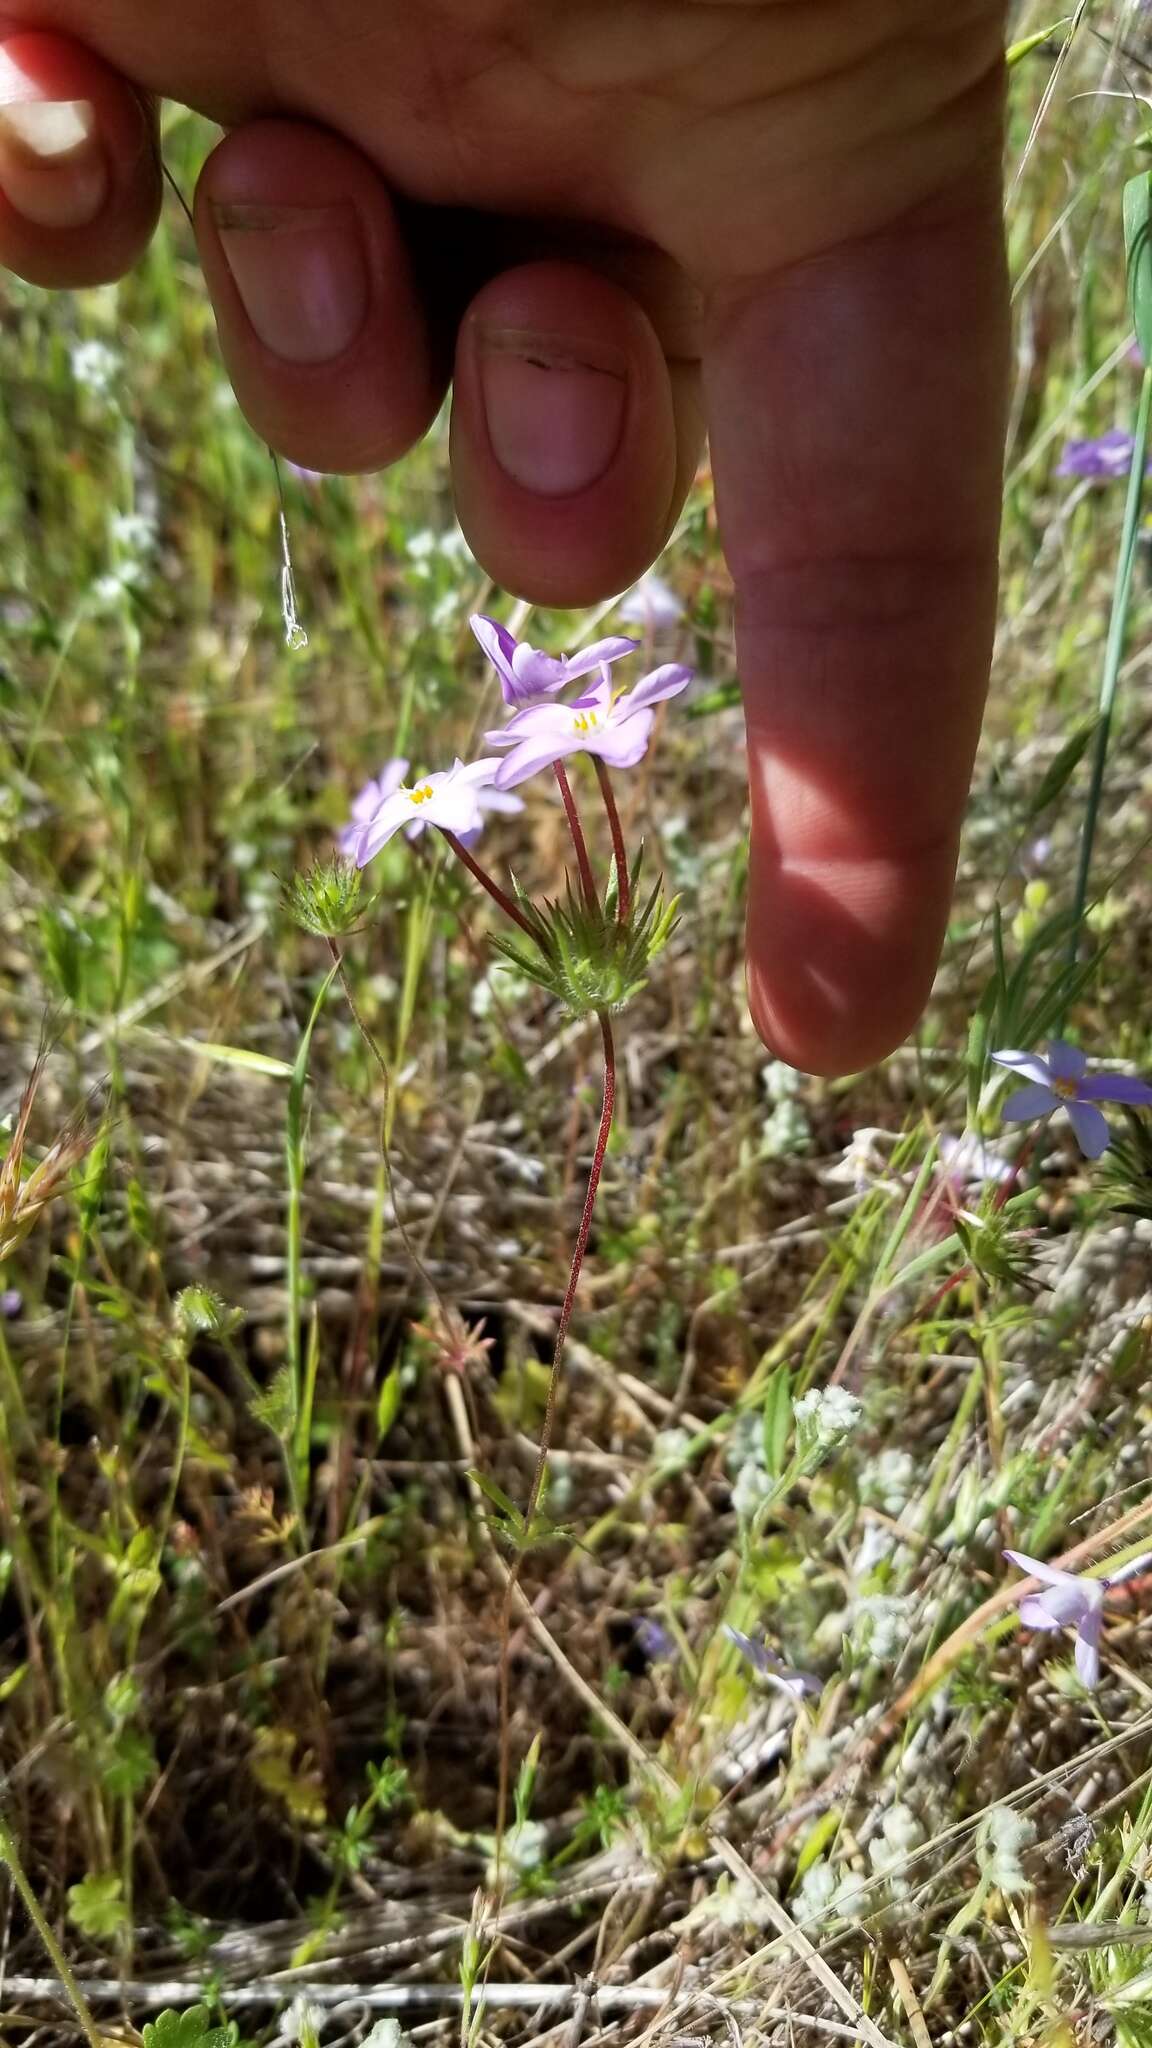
(586, 721)
(421, 793)
(1065, 1088)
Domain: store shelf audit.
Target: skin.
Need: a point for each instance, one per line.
(776, 218)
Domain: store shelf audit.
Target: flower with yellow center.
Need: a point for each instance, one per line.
(614, 728)
(1062, 1081)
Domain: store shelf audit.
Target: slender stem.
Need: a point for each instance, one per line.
(10, 1855)
(494, 890)
(602, 1136)
(587, 878)
(623, 882)
(1113, 655)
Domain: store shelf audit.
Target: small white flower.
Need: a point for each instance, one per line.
(1002, 1835)
(302, 2021)
(133, 532)
(95, 367)
(752, 1487)
(825, 1416)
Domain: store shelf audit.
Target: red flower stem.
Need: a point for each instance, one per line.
(623, 884)
(494, 890)
(587, 879)
(537, 1486)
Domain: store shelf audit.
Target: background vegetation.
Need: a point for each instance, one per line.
(250, 1593)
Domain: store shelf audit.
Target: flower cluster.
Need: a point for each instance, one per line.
(614, 726)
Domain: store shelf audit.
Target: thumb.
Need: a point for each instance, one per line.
(855, 409)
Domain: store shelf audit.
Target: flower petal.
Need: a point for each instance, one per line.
(623, 744)
(1088, 1649)
(1066, 1062)
(389, 819)
(1034, 1614)
(534, 718)
(1091, 1128)
(1116, 1088)
(1131, 1570)
(1024, 1103)
(1028, 1063)
(612, 649)
(756, 1653)
(534, 755)
(666, 681)
(499, 646)
(1049, 1573)
(476, 771)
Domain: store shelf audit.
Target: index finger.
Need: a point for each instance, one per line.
(855, 411)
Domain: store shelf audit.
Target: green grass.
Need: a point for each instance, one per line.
(260, 1468)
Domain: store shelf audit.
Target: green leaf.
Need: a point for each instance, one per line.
(1054, 781)
(276, 1406)
(239, 1056)
(191, 2029)
(777, 1420)
(387, 1404)
(96, 1906)
(1137, 225)
(1016, 52)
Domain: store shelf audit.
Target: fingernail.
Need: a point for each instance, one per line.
(52, 169)
(555, 414)
(301, 273)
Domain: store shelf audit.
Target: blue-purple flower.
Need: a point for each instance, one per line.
(616, 728)
(528, 676)
(1102, 458)
(773, 1668)
(1062, 1081)
(1071, 1601)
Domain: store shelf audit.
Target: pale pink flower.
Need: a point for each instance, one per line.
(616, 729)
(451, 798)
(527, 675)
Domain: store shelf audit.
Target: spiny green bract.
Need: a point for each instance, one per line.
(327, 899)
(585, 955)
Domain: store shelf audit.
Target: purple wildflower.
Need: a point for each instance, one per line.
(654, 1639)
(650, 603)
(375, 794)
(1072, 1602)
(451, 799)
(366, 805)
(618, 730)
(773, 1668)
(1062, 1082)
(1101, 458)
(528, 676)
(11, 1303)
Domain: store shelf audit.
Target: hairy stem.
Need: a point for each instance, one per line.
(498, 895)
(623, 883)
(587, 878)
(534, 1492)
(10, 1855)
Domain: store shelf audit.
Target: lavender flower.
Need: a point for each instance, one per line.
(376, 793)
(654, 1639)
(1072, 1602)
(451, 799)
(368, 802)
(617, 729)
(1100, 459)
(528, 676)
(1062, 1081)
(650, 603)
(773, 1668)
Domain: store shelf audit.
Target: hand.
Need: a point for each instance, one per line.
(610, 223)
